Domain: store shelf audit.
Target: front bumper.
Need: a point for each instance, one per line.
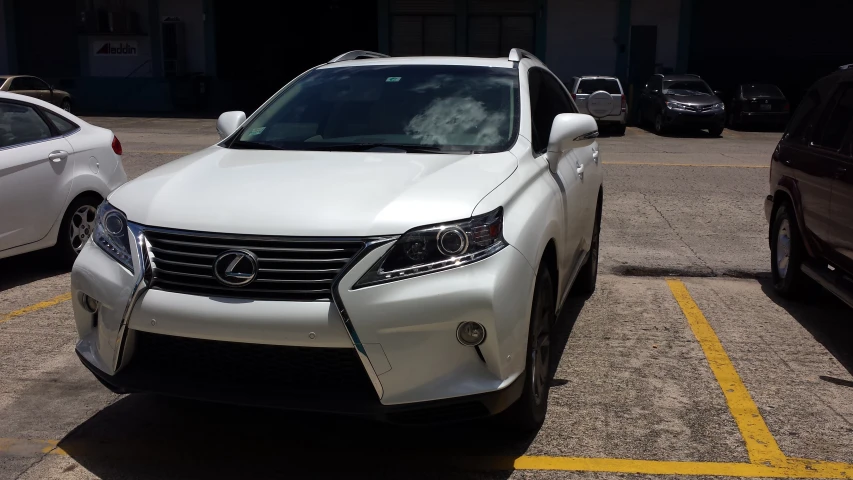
(404, 330)
(763, 118)
(686, 118)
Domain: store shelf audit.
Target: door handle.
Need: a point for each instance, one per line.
(595, 156)
(840, 172)
(580, 171)
(57, 156)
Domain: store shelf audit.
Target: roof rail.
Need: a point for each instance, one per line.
(692, 75)
(516, 54)
(849, 66)
(357, 55)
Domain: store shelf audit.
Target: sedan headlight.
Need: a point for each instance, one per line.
(438, 247)
(676, 105)
(111, 234)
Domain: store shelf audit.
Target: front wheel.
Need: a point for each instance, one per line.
(66, 105)
(715, 131)
(659, 128)
(528, 412)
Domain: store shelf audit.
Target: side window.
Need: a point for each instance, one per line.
(548, 99)
(21, 124)
(836, 118)
(62, 125)
(38, 84)
(803, 117)
(19, 83)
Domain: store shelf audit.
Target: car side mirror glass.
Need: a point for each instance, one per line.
(229, 122)
(569, 131)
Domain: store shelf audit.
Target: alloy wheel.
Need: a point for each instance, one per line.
(540, 355)
(81, 227)
(783, 248)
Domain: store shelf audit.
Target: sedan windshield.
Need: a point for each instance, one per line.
(686, 87)
(410, 108)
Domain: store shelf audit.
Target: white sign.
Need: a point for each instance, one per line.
(125, 48)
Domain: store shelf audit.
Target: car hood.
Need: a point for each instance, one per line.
(698, 100)
(299, 193)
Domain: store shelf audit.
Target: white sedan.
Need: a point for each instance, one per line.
(385, 236)
(55, 169)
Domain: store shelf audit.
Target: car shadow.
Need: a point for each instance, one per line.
(29, 267)
(149, 436)
(825, 317)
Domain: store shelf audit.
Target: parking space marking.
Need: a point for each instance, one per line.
(706, 165)
(38, 306)
(760, 444)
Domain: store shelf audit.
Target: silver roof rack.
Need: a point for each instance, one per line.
(849, 66)
(357, 55)
(516, 54)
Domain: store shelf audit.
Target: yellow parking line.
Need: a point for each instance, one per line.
(708, 165)
(38, 306)
(760, 444)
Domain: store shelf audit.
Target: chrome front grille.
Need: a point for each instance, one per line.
(289, 268)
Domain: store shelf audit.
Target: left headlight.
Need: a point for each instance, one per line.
(719, 106)
(438, 247)
(111, 234)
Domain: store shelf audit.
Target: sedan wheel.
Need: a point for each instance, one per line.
(66, 105)
(77, 226)
(81, 227)
(658, 123)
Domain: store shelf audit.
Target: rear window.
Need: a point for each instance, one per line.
(592, 85)
(762, 90)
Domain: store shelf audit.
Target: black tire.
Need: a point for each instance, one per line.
(528, 412)
(658, 125)
(68, 245)
(588, 275)
(715, 131)
(619, 129)
(66, 105)
(790, 280)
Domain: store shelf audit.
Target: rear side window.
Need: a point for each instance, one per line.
(592, 85)
(836, 119)
(762, 91)
(548, 99)
(803, 117)
(21, 124)
(62, 125)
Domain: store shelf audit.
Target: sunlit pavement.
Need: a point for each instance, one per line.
(682, 363)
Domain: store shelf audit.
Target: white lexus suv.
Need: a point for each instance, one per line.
(384, 236)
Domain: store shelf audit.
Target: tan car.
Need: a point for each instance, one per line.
(37, 88)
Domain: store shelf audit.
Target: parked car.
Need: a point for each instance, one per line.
(603, 98)
(55, 169)
(681, 101)
(384, 236)
(758, 104)
(36, 88)
(810, 206)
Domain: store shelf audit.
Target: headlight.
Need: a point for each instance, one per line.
(438, 247)
(676, 105)
(719, 106)
(111, 234)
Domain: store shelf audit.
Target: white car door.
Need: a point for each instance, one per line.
(548, 99)
(35, 174)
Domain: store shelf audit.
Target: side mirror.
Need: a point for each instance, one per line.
(718, 93)
(229, 122)
(569, 131)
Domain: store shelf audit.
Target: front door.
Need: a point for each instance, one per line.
(35, 174)
(839, 136)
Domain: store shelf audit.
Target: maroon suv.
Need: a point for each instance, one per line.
(810, 206)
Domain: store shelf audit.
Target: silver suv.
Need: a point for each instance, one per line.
(603, 98)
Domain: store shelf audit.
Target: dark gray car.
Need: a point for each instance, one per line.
(672, 101)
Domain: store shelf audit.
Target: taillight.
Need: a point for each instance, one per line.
(624, 103)
(787, 107)
(574, 96)
(116, 145)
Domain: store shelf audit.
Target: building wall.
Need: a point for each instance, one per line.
(4, 44)
(581, 37)
(191, 14)
(665, 15)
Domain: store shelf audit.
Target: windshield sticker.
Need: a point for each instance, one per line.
(392, 79)
(257, 131)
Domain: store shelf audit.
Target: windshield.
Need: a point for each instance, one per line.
(430, 108)
(762, 90)
(592, 85)
(686, 87)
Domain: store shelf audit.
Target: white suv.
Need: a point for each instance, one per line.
(384, 236)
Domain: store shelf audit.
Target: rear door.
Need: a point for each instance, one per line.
(839, 131)
(35, 174)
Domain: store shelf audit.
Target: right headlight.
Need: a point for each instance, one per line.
(676, 105)
(438, 247)
(111, 234)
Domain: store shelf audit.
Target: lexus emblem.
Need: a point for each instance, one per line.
(236, 268)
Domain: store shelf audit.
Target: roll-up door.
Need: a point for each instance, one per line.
(423, 27)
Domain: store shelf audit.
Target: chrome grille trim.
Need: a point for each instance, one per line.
(290, 268)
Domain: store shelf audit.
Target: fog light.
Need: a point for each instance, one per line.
(90, 304)
(470, 334)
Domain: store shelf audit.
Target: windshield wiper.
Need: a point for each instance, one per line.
(242, 144)
(361, 147)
